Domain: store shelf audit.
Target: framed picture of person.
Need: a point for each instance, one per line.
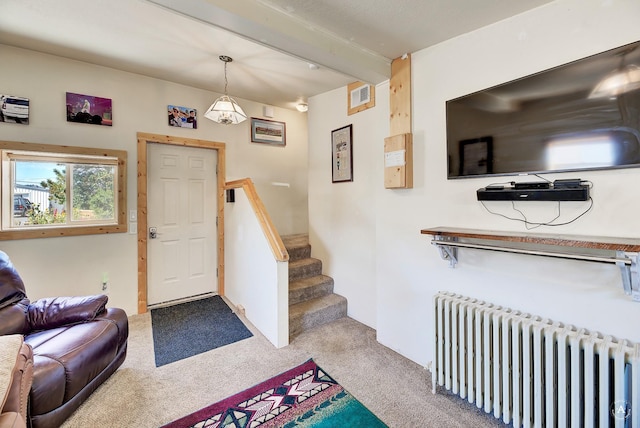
(182, 117)
(89, 109)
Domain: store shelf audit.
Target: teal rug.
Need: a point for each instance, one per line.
(305, 396)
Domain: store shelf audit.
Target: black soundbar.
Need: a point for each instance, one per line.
(577, 193)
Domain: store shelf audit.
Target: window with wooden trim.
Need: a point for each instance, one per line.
(59, 190)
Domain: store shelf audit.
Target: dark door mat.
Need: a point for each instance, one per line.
(191, 328)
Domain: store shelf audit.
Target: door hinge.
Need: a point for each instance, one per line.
(216, 272)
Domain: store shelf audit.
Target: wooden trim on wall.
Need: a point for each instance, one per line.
(143, 140)
(400, 96)
(268, 228)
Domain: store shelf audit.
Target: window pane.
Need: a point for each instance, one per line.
(93, 190)
(38, 193)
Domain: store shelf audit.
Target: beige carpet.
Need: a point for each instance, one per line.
(397, 390)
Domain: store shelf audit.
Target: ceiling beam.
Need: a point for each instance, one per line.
(257, 22)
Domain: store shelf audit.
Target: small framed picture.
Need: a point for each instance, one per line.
(341, 155)
(14, 109)
(89, 109)
(182, 117)
(268, 132)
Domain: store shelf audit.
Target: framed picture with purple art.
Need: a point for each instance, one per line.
(89, 109)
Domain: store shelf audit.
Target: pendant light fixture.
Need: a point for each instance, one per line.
(225, 110)
(625, 78)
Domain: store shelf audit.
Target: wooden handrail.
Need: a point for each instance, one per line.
(269, 230)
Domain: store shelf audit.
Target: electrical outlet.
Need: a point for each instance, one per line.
(105, 283)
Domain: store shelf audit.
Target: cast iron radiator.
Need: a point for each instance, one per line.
(534, 372)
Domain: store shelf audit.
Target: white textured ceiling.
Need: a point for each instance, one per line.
(272, 42)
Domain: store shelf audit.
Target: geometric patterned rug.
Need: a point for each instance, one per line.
(305, 396)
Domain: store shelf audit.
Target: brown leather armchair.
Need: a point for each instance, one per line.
(77, 344)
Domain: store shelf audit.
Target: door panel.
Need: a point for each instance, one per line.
(182, 259)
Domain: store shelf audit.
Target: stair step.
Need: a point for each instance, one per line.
(309, 288)
(304, 268)
(315, 312)
(311, 299)
(295, 240)
(299, 253)
(297, 246)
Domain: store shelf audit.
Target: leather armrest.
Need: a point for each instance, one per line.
(21, 380)
(60, 311)
(16, 374)
(13, 319)
(12, 420)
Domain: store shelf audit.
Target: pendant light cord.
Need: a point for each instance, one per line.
(226, 59)
(225, 77)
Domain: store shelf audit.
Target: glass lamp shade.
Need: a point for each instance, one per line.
(618, 82)
(225, 110)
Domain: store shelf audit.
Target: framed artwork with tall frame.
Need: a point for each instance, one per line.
(342, 154)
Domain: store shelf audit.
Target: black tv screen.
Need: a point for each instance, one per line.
(567, 118)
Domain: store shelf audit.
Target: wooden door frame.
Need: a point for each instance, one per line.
(143, 140)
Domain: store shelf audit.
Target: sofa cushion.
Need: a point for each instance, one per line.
(66, 359)
(60, 311)
(11, 285)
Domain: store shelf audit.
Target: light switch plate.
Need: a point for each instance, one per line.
(133, 215)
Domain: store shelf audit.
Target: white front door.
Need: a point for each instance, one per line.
(181, 240)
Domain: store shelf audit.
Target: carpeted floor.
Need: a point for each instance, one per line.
(190, 328)
(397, 390)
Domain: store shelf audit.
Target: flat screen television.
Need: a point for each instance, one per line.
(563, 119)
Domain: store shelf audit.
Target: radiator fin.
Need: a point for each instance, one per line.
(532, 372)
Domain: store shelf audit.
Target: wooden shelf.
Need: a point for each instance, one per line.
(597, 242)
(624, 252)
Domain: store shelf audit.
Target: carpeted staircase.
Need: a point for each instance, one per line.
(311, 298)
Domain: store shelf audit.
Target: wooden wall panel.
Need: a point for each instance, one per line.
(398, 147)
(400, 96)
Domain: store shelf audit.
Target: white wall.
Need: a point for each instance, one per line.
(378, 246)
(75, 265)
(342, 216)
(254, 279)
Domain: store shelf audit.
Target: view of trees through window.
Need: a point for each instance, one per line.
(52, 191)
(57, 193)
